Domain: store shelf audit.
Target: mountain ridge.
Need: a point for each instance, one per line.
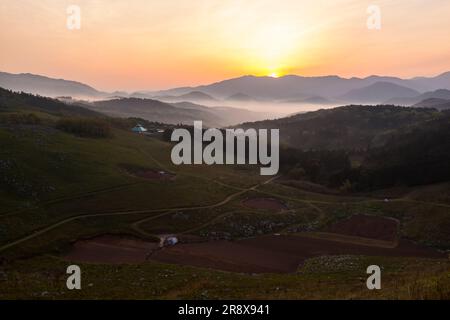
(259, 88)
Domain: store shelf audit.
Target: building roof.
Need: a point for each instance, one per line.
(139, 128)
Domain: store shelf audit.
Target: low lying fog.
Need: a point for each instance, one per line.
(274, 109)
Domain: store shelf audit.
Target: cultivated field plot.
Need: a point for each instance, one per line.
(277, 253)
(111, 250)
(365, 226)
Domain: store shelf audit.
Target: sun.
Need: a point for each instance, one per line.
(274, 75)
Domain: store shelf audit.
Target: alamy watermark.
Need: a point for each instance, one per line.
(374, 19)
(73, 17)
(74, 280)
(239, 146)
(374, 280)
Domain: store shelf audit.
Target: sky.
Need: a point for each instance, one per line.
(148, 44)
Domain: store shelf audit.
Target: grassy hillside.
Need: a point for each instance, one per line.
(365, 147)
(17, 102)
(48, 174)
(59, 186)
(350, 127)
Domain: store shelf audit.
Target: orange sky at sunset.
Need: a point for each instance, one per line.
(147, 44)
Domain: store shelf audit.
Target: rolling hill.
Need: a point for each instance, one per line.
(174, 113)
(290, 87)
(46, 86)
(193, 96)
(371, 147)
(197, 96)
(436, 103)
(312, 100)
(154, 110)
(377, 92)
(408, 101)
(441, 81)
(293, 86)
(241, 97)
(13, 102)
(229, 115)
(348, 127)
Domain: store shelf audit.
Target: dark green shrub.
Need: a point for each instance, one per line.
(85, 127)
(21, 118)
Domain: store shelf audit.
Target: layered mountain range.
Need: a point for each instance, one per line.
(223, 103)
(289, 88)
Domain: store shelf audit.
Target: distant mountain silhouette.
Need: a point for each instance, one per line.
(436, 103)
(441, 81)
(45, 86)
(377, 92)
(240, 97)
(228, 114)
(313, 100)
(293, 87)
(287, 88)
(268, 88)
(154, 110)
(408, 101)
(439, 94)
(193, 96)
(197, 95)
(175, 113)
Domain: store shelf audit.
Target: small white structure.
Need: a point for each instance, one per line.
(170, 241)
(139, 129)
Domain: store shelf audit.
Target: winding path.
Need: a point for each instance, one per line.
(165, 211)
(118, 213)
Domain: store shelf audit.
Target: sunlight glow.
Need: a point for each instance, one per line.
(273, 47)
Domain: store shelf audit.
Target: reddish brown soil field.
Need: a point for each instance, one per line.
(275, 253)
(112, 250)
(228, 256)
(265, 254)
(365, 226)
(265, 203)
